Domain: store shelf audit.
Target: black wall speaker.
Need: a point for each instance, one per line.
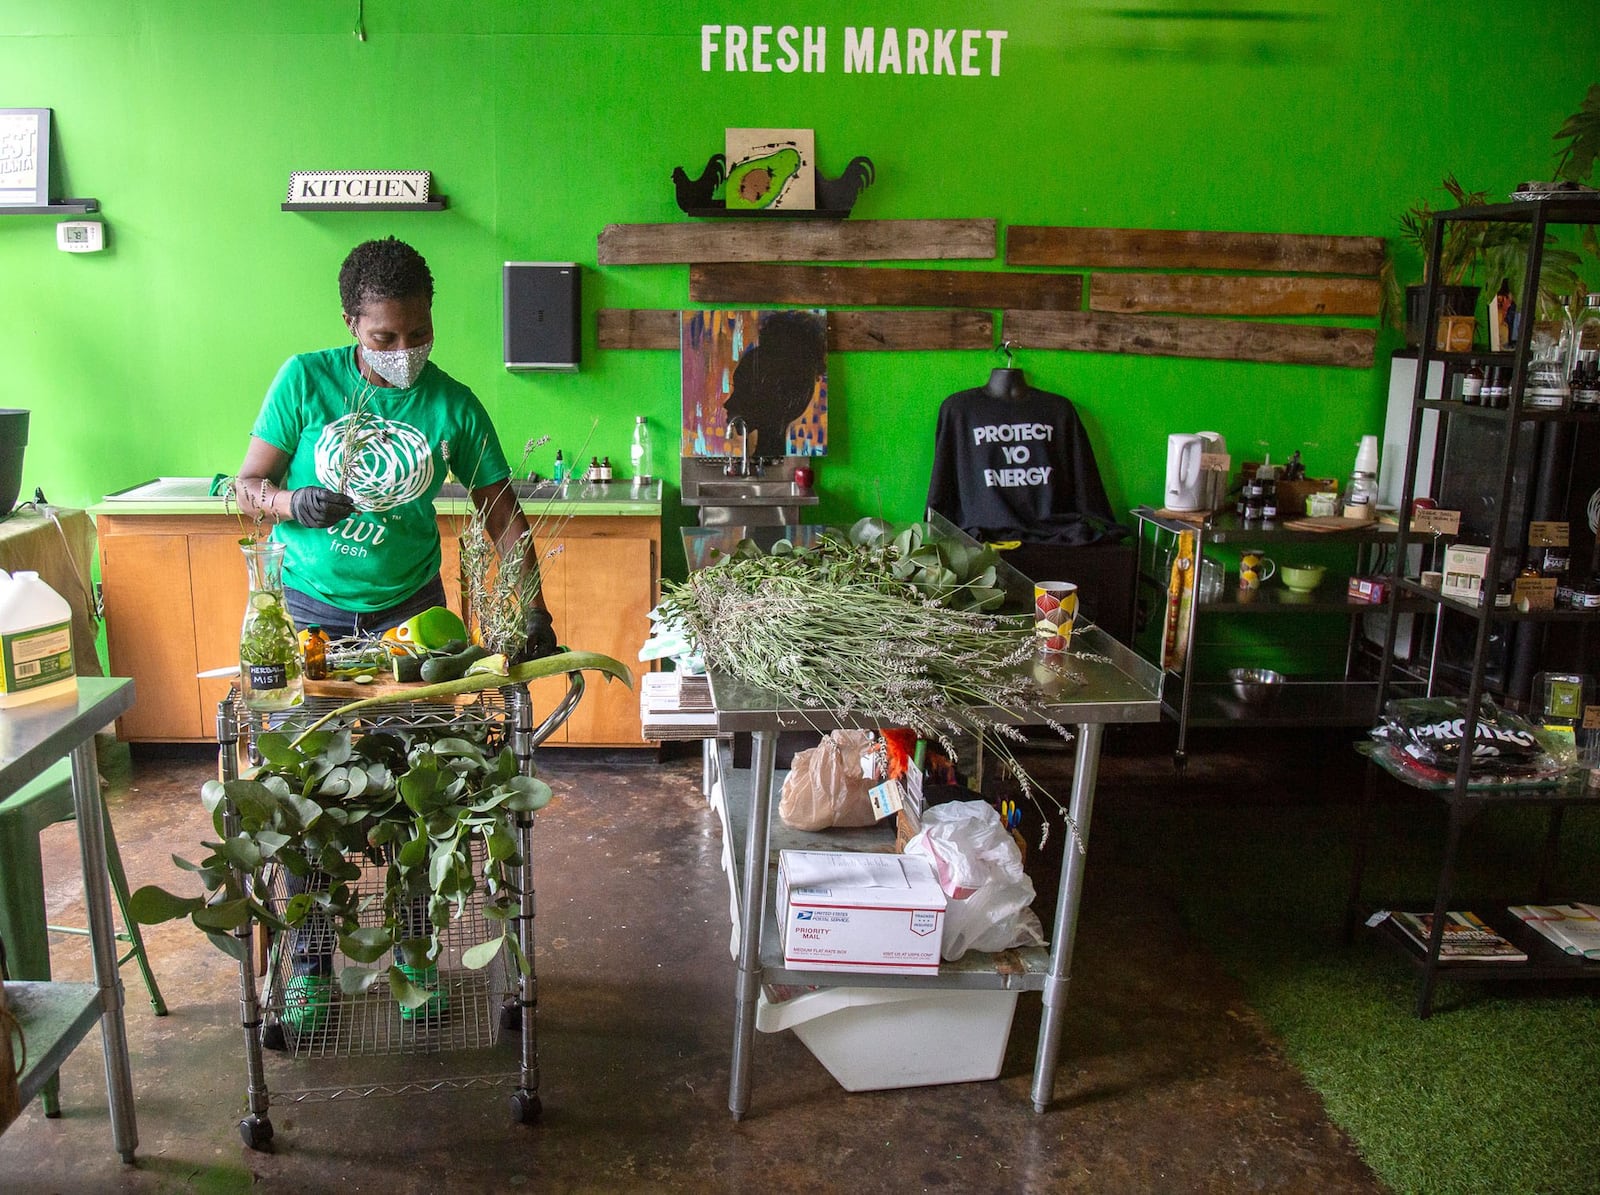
(543, 302)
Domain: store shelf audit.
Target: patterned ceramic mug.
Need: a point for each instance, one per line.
(1055, 609)
(1254, 568)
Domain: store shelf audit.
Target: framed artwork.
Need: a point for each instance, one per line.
(24, 157)
(770, 169)
(756, 375)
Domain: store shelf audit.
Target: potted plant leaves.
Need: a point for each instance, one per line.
(1472, 253)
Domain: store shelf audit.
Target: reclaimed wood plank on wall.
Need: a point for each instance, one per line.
(848, 331)
(798, 240)
(878, 331)
(1232, 294)
(637, 328)
(1237, 340)
(867, 286)
(1154, 248)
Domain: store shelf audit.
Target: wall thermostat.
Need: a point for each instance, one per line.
(80, 236)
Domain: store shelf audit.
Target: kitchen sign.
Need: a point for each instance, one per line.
(389, 187)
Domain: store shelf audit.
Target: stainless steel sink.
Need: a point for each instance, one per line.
(748, 491)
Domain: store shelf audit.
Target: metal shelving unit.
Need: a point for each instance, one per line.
(1193, 701)
(1464, 800)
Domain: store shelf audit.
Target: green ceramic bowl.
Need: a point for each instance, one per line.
(1302, 578)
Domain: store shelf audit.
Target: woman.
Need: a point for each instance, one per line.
(351, 447)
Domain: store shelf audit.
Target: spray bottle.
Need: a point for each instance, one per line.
(1361, 495)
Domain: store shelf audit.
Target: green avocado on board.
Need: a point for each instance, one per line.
(758, 182)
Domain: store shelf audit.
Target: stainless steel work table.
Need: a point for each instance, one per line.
(56, 1016)
(1112, 684)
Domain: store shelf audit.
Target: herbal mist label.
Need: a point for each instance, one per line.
(32, 658)
(268, 676)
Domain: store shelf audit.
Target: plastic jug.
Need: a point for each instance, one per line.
(35, 641)
(1185, 484)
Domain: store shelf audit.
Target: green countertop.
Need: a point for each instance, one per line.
(191, 496)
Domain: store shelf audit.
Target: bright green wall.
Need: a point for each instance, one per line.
(185, 117)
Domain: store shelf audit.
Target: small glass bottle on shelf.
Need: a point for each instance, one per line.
(1472, 385)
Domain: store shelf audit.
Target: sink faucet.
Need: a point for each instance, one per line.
(744, 448)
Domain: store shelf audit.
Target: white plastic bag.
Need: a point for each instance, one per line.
(980, 869)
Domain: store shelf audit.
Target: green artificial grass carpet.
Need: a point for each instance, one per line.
(1499, 1091)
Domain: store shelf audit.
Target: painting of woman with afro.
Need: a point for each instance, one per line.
(764, 369)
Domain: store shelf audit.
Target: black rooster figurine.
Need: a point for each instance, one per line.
(839, 194)
(697, 193)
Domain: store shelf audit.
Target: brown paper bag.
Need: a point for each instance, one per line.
(825, 786)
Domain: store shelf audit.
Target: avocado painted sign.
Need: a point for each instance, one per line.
(866, 50)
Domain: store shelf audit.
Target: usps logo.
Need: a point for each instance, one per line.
(803, 915)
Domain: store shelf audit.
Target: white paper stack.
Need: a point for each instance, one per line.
(676, 705)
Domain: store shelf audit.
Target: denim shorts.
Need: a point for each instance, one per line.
(339, 623)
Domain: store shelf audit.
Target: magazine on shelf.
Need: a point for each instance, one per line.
(1575, 928)
(1466, 938)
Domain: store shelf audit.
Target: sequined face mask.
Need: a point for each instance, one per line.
(398, 367)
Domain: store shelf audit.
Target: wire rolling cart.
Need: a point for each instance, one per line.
(472, 1008)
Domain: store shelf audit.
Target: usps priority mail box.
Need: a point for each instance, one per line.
(842, 911)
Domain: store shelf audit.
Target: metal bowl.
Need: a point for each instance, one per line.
(1254, 685)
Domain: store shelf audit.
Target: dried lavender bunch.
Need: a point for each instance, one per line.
(502, 587)
(833, 628)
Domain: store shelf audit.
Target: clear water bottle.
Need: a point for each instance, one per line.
(643, 453)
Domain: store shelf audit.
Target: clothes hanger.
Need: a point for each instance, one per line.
(1007, 381)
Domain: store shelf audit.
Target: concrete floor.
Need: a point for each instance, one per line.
(1168, 1081)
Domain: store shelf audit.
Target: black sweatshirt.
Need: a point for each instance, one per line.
(1018, 468)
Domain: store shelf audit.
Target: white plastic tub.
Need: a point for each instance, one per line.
(873, 1038)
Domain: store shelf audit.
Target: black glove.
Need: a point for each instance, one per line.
(313, 506)
(541, 636)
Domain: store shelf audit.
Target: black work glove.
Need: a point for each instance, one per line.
(541, 636)
(313, 506)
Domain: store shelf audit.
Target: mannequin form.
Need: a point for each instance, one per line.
(1006, 383)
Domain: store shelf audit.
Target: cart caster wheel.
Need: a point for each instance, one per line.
(256, 1131)
(511, 1018)
(272, 1037)
(525, 1107)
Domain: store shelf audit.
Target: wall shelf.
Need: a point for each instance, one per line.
(57, 207)
(433, 205)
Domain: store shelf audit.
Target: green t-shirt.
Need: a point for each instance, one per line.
(408, 440)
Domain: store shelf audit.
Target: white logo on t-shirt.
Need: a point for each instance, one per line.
(389, 463)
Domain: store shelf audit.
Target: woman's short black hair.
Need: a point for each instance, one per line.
(384, 269)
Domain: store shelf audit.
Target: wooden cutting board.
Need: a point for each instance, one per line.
(1326, 523)
(349, 690)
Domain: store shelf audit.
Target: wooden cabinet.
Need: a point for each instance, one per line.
(175, 589)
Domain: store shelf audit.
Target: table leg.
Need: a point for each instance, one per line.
(1073, 860)
(752, 903)
(89, 807)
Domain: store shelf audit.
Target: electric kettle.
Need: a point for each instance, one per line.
(1186, 484)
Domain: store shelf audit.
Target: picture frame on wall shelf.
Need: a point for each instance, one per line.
(770, 169)
(24, 157)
